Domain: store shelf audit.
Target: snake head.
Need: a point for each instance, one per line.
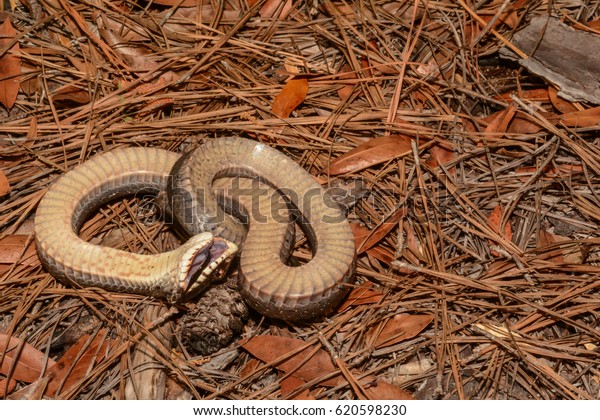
(205, 259)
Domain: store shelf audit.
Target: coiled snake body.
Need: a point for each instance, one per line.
(267, 283)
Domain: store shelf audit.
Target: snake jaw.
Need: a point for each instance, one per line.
(204, 256)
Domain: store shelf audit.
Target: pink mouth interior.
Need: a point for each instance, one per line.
(204, 257)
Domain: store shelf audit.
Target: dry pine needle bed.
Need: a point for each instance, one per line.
(476, 220)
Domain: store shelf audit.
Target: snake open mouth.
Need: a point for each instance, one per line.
(206, 260)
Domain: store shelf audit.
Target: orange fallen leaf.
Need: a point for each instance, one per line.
(509, 18)
(594, 24)
(250, 367)
(550, 172)
(399, 328)
(372, 152)
(7, 386)
(341, 10)
(71, 93)
(586, 118)
(77, 362)
(385, 391)
(538, 95)
(361, 233)
(178, 3)
(346, 73)
(269, 348)
(293, 94)
(545, 239)
(290, 384)
(362, 295)
(22, 361)
(413, 252)
(382, 254)
(272, 7)
(523, 124)
(498, 124)
(32, 132)
(440, 156)
(380, 232)
(568, 252)
(30, 82)
(10, 65)
(494, 221)
(12, 250)
(4, 184)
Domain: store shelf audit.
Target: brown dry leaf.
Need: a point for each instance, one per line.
(137, 57)
(30, 82)
(71, 93)
(293, 94)
(522, 124)
(250, 367)
(362, 295)
(12, 250)
(372, 152)
(32, 132)
(440, 156)
(4, 184)
(594, 24)
(271, 8)
(546, 238)
(382, 254)
(22, 361)
(75, 365)
(399, 328)
(269, 348)
(33, 391)
(498, 124)
(7, 387)
(413, 251)
(538, 95)
(570, 253)
(385, 391)
(494, 220)
(346, 73)
(10, 65)
(509, 18)
(550, 172)
(380, 232)
(291, 383)
(518, 122)
(178, 3)
(562, 105)
(342, 10)
(361, 233)
(586, 118)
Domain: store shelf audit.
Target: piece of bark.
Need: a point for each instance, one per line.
(566, 57)
(148, 378)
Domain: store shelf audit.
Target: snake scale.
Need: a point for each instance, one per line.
(272, 194)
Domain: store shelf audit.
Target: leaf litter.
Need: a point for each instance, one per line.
(477, 273)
